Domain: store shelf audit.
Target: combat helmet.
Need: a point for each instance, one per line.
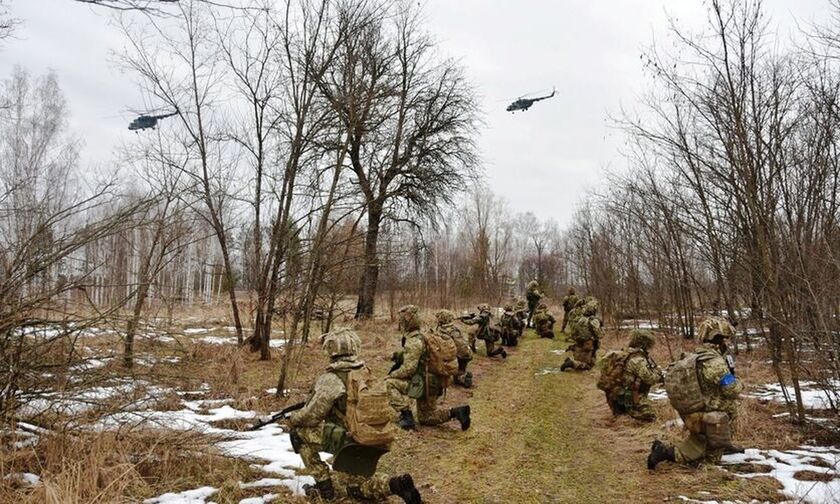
(542, 307)
(342, 342)
(533, 284)
(571, 291)
(713, 327)
(484, 308)
(590, 308)
(508, 307)
(409, 318)
(444, 317)
(641, 338)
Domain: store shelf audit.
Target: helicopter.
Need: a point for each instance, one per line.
(524, 104)
(148, 121)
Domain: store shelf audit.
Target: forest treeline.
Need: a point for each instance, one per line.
(322, 151)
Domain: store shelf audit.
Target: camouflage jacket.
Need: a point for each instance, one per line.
(586, 329)
(712, 369)
(482, 320)
(461, 343)
(511, 322)
(569, 302)
(412, 352)
(544, 321)
(639, 373)
(533, 296)
(326, 401)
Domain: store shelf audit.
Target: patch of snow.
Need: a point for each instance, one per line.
(28, 479)
(261, 483)
(217, 340)
(638, 324)
(545, 371)
(696, 501)
(195, 496)
(89, 365)
(260, 500)
(657, 394)
(196, 330)
(786, 464)
(813, 397)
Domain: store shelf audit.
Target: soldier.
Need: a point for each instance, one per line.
(570, 301)
(628, 376)
(410, 379)
(706, 399)
(445, 321)
(327, 404)
(521, 310)
(544, 322)
(484, 331)
(533, 295)
(586, 334)
(511, 326)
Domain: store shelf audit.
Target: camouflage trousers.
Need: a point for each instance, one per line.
(709, 434)
(621, 403)
(346, 485)
(565, 321)
(398, 393)
(489, 346)
(583, 356)
(427, 410)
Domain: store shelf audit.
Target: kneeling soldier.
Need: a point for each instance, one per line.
(327, 412)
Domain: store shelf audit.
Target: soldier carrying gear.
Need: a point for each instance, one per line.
(326, 414)
(521, 311)
(628, 375)
(544, 322)
(413, 379)
(446, 326)
(533, 295)
(511, 326)
(704, 390)
(570, 301)
(586, 334)
(484, 331)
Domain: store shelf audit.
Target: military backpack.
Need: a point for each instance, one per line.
(612, 372)
(441, 354)
(682, 383)
(369, 416)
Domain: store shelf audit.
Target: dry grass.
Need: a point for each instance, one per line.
(535, 438)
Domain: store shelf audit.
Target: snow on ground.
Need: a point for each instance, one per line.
(260, 500)
(792, 468)
(196, 496)
(74, 402)
(638, 324)
(657, 394)
(813, 397)
(195, 330)
(698, 501)
(227, 340)
(27, 479)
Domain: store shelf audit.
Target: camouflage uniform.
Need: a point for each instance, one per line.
(520, 308)
(570, 301)
(411, 379)
(484, 332)
(586, 333)
(640, 374)
(446, 327)
(327, 404)
(720, 390)
(544, 322)
(511, 326)
(533, 295)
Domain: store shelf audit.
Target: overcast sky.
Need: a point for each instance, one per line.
(541, 160)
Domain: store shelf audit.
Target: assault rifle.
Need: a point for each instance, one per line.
(397, 358)
(278, 416)
(466, 316)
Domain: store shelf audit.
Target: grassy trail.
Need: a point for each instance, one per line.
(540, 436)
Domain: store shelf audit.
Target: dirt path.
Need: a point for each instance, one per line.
(540, 436)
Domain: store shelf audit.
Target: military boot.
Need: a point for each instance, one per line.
(403, 487)
(406, 420)
(468, 381)
(322, 489)
(660, 453)
(462, 414)
(567, 364)
(732, 448)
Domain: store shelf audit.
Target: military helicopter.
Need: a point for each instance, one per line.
(524, 104)
(148, 121)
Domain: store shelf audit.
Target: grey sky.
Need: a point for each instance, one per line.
(541, 160)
